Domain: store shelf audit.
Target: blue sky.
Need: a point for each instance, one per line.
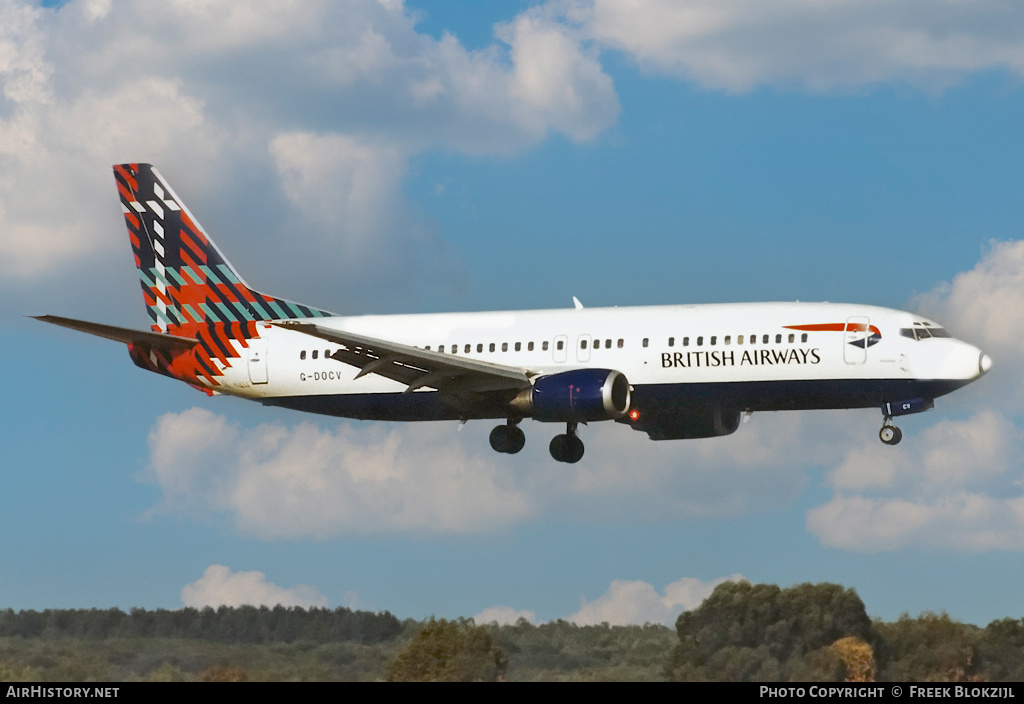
(429, 156)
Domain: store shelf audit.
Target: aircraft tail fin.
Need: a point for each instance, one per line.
(187, 283)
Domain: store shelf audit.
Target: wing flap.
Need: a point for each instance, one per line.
(416, 367)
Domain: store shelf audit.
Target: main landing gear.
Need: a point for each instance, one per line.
(508, 438)
(568, 447)
(890, 434)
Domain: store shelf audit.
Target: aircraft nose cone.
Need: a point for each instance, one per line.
(984, 363)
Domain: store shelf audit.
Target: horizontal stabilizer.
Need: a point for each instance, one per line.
(128, 336)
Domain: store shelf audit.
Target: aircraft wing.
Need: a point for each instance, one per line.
(159, 340)
(454, 374)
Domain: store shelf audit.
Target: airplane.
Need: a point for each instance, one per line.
(671, 371)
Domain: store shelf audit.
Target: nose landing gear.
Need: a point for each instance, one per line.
(890, 434)
(568, 447)
(508, 438)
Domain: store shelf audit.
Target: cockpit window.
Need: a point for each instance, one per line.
(922, 332)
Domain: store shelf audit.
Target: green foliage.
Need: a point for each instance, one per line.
(563, 651)
(448, 651)
(185, 660)
(243, 624)
(1000, 649)
(930, 648)
(742, 632)
(748, 632)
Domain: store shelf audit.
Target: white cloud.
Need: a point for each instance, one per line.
(950, 453)
(219, 586)
(638, 602)
(317, 98)
(816, 44)
(303, 481)
(956, 486)
(504, 616)
(554, 83)
(985, 306)
(968, 522)
(340, 181)
(275, 481)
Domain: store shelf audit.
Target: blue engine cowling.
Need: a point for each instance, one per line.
(580, 395)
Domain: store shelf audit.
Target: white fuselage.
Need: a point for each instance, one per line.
(755, 355)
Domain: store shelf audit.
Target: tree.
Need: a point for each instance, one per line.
(1001, 650)
(749, 632)
(857, 657)
(448, 651)
(930, 648)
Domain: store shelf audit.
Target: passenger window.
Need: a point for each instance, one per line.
(468, 348)
(764, 340)
(739, 339)
(544, 346)
(519, 347)
(778, 339)
(302, 354)
(327, 354)
(529, 347)
(700, 341)
(491, 348)
(714, 339)
(792, 338)
(504, 347)
(620, 343)
(803, 338)
(728, 339)
(315, 352)
(608, 344)
(480, 347)
(583, 344)
(561, 344)
(686, 342)
(646, 340)
(440, 348)
(671, 342)
(455, 349)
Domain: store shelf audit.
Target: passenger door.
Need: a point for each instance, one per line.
(855, 339)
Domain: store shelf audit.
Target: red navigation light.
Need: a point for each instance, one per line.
(634, 414)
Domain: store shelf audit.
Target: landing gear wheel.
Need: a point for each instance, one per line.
(508, 439)
(499, 438)
(890, 435)
(575, 450)
(516, 439)
(566, 448)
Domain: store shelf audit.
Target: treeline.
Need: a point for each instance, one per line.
(243, 624)
(742, 632)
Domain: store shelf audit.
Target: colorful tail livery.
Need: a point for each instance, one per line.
(203, 315)
(673, 372)
(186, 282)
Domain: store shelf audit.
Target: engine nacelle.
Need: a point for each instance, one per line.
(692, 424)
(576, 396)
